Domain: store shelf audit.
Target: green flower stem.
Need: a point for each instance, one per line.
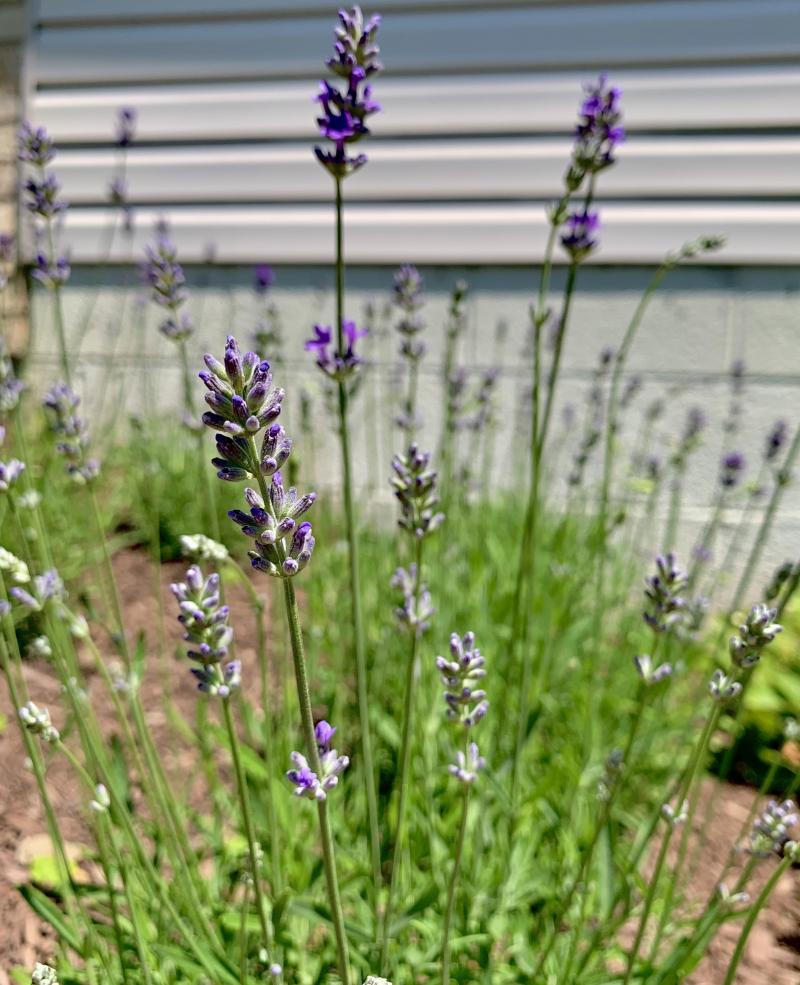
(752, 916)
(58, 304)
(781, 482)
(269, 738)
(326, 836)
(247, 817)
(105, 864)
(451, 892)
(588, 855)
(405, 760)
(355, 576)
(119, 813)
(689, 778)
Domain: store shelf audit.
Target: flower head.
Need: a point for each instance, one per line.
(126, 126)
(46, 587)
(14, 567)
(37, 721)
(776, 439)
(337, 365)
(43, 974)
(198, 547)
(264, 278)
(282, 547)
(240, 393)
(462, 675)
(467, 765)
(414, 484)
(345, 106)
(599, 131)
(664, 594)
(316, 785)
(771, 829)
(205, 621)
(61, 406)
(731, 469)
(34, 145)
(757, 632)
(416, 609)
(579, 235)
(51, 274)
(43, 196)
(648, 672)
(722, 687)
(10, 473)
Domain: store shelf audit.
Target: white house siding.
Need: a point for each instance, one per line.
(479, 101)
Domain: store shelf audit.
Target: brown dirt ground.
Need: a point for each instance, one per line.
(773, 953)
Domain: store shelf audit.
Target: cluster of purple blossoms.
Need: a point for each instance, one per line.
(316, 785)
(126, 127)
(243, 401)
(416, 608)
(337, 365)
(756, 632)
(599, 131)
(723, 687)
(664, 594)
(164, 275)
(462, 675)
(414, 484)
(46, 587)
(208, 634)
(51, 275)
(61, 406)
(579, 234)
(36, 148)
(731, 469)
(345, 110)
(11, 388)
(407, 296)
(771, 829)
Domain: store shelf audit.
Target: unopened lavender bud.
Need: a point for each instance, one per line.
(102, 801)
(37, 721)
(723, 688)
(43, 974)
(664, 594)
(10, 474)
(467, 766)
(649, 673)
(771, 828)
(675, 818)
(756, 633)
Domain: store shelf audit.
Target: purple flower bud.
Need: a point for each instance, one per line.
(579, 235)
(324, 734)
(126, 126)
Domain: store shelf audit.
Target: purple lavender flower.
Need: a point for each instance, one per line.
(10, 473)
(51, 275)
(61, 406)
(208, 633)
(43, 195)
(316, 786)
(756, 632)
(408, 297)
(416, 609)
(731, 469)
(771, 829)
(34, 145)
(337, 365)
(126, 126)
(264, 277)
(722, 687)
(579, 234)
(648, 672)
(468, 765)
(414, 484)
(345, 109)
(776, 439)
(664, 593)
(462, 675)
(46, 587)
(240, 392)
(162, 272)
(271, 525)
(599, 130)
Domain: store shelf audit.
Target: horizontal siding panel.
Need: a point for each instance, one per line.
(75, 11)
(474, 234)
(491, 169)
(768, 96)
(475, 40)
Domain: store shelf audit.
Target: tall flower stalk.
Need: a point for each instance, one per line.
(243, 403)
(414, 484)
(52, 270)
(344, 111)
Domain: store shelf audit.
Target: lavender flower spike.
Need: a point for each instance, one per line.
(206, 623)
(663, 591)
(731, 469)
(414, 613)
(598, 133)
(61, 406)
(337, 365)
(10, 473)
(271, 524)
(37, 721)
(771, 829)
(579, 236)
(164, 275)
(757, 632)
(346, 108)
(462, 675)
(467, 766)
(648, 672)
(414, 484)
(306, 782)
(126, 126)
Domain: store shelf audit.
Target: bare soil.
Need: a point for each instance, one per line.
(773, 953)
